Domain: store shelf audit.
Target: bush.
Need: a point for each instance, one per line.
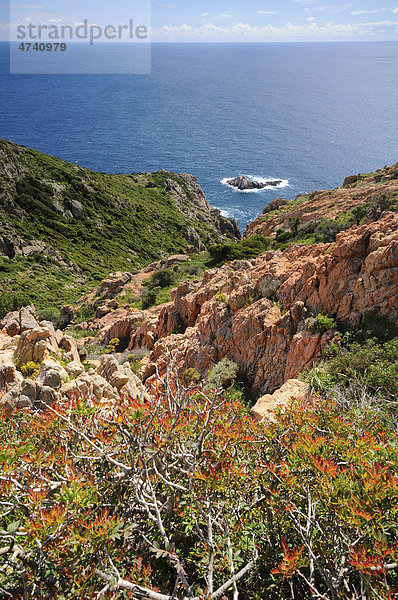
(223, 374)
(85, 313)
(49, 314)
(324, 323)
(191, 377)
(10, 301)
(162, 279)
(186, 490)
(283, 236)
(369, 366)
(242, 250)
(30, 369)
(112, 346)
(150, 298)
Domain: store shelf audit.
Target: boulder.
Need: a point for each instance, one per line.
(74, 368)
(121, 377)
(29, 394)
(90, 385)
(51, 374)
(11, 324)
(114, 284)
(67, 314)
(32, 346)
(28, 319)
(293, 389)
(350, 180)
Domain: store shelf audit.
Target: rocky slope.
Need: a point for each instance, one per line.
(273, 315)
(373, 193)
(68, 227)
(258, 312)
(39, 365)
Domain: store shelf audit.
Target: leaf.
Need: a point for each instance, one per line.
(13, 527)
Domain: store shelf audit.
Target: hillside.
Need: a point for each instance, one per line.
(68, 227)
(320, 215)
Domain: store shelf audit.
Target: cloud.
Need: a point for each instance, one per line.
(267, 12)
(224, 16)
(289, 32)
(204, 15)
(364, 12)
(395, 11)
(33, 6)
(311, 19)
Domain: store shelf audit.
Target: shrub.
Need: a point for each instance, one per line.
(244, 249)
(85, 313)
(112, 346)
(191, 377)
(162, 279)
(370, 366)
(359, 213)
(324, 323)
(183, 490)
(283, 236)
(223, 374)
(10, 301)
(378, 206)
(49, 314)
(150, 298)
(29, 369)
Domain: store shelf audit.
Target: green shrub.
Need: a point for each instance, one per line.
(49, 314)
(370, 366)
(10, 301)
(223, 374)
(242, 250)
(324, 323)
(162, 279)
(283, 236)
(85, 313)
(81, 333)
(150, 298)
(191, 377)
(359, 213)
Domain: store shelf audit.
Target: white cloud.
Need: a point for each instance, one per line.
(395, 11)
(364, 12)
(224, 16)
(204, 15)
(289, 32)
(267, 12)
(311, 19)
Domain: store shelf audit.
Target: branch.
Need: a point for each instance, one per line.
(145, 594)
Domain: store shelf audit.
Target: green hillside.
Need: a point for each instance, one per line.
(64, 227)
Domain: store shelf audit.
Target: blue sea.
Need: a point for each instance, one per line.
(308, 114)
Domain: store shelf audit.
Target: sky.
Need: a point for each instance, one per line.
(225, 20)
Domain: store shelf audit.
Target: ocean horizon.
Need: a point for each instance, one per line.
(305, 113)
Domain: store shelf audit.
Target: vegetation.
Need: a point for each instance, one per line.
(223, 374)
(323, 323)
(92, 223)
(10, 301)
(242, 250)
(368, 370)
(184, 496)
